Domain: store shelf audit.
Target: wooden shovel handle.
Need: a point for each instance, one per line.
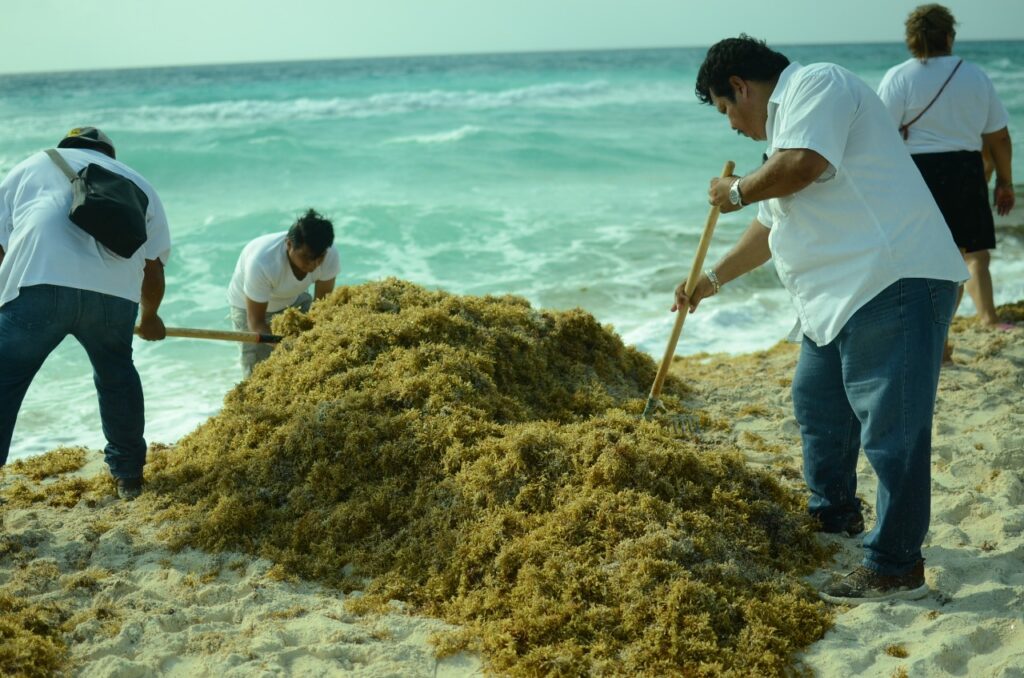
(223, 335)
(691, 283)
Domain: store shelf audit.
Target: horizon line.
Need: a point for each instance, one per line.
(442, 55)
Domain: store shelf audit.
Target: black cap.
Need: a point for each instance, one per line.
(88, 137)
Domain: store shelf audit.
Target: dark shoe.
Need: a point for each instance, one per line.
(129, 488)
(849, 526)
(867, 586)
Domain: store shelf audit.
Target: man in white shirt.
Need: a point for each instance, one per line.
(274, 272)
(56, 280)
(860, 245)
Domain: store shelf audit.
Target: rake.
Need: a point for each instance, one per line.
(682, 424)
(222, 335)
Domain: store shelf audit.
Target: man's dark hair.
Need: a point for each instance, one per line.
(313, 231)
(745, 57)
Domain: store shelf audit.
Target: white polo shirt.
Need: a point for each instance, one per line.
(869, 221)
(263, 274)
(42, 246)
(966, 109)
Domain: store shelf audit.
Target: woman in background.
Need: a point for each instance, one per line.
(947, 109)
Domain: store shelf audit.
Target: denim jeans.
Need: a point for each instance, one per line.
(255, 353)
(35, 322)
(874, 387)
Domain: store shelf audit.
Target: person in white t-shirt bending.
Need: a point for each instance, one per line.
(863, 251)
(57, 280)
(274, 272)
(948, 110)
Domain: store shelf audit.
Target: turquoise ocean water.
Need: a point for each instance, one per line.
(572, 179)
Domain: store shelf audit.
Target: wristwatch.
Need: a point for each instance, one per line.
(735, 197)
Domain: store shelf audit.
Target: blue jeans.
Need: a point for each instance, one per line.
(35, 322)
(874, 387)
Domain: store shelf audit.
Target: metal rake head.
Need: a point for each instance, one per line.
(681, 425)
(653, 408)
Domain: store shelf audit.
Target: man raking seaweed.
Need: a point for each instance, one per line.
(860, 245)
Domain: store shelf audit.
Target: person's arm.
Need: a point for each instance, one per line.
(322, 288)
(986, 161)
(786, 172)
(1001, 148)
(750, 252)
(151, 327)
(256, 315)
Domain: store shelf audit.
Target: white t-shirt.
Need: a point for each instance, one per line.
(43, 247)
(868, 221)
(264, 274)
(965, 110)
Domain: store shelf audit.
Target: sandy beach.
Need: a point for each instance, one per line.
(127, 604)
(972, 624)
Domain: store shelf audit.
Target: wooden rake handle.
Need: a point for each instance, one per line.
(223, 335)
(691, 283)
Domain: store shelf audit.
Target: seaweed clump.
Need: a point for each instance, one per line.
(1011, 313)
(43, 479)
(484, 462)
(53, 463)
(31, 637)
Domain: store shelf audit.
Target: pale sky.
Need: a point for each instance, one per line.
(56, 35)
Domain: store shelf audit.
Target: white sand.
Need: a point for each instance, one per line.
(197, 614)
(194, 614)
(972, 624)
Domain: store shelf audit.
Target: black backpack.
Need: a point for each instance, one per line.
(107, 206)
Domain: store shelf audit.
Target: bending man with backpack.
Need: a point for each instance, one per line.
(56, 279)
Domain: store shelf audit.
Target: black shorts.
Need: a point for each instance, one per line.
(957, 182)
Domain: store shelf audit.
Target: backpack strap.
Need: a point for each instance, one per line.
(59, 160)
(905, 128)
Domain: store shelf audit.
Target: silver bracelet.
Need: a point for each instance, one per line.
(713, 278)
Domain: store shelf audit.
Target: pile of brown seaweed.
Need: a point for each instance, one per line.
(484, 462)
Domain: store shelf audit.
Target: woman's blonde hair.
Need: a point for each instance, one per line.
(929, 28)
